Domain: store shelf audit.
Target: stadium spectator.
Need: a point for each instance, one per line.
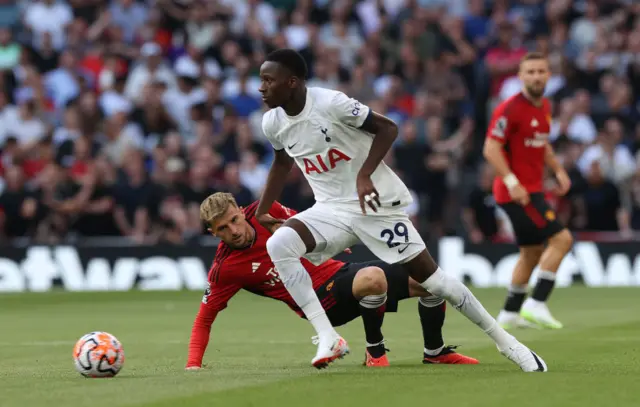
(116, 118)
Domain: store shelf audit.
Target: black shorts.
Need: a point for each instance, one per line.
(336, 295)
(532, 224)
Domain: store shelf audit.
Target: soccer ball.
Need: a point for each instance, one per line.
(98, 354)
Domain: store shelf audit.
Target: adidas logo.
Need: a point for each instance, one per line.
(254, 267)
(534, 123)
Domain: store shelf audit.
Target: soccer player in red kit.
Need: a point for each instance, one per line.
(346, 291)
(517, 147)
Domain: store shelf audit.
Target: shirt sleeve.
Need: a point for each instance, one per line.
(280, 211)
(500, 126)
(348, 110)
(269, 133)
(214, 300)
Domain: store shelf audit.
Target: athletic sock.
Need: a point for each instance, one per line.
(297, 281)
(300, 287)
(432, 311)
(372, 309)
(377, 350)
(542, 290)
(515, 298)
(455, 292)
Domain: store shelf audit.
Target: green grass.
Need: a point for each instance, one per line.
(260, 355)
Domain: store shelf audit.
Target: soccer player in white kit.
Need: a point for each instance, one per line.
(339, 144)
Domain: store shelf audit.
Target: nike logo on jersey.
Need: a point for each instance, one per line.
(292, 145)
(326, 136)
(400, 251)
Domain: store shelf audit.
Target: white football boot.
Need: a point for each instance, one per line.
(538, 313)
(329, 349)
(512, 320)
(524, 357)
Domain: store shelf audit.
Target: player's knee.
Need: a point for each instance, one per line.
(370, 281)
(285, 244)
(562, 240)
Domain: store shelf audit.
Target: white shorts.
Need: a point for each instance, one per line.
(389, 233)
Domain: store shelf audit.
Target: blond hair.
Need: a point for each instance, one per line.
(216, 205)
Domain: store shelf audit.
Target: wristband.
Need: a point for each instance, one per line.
(510, 181)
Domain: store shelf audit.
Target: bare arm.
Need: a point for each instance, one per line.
(551, 160)
(280, 168)
(385, 132)
(493, 153)
(101, 205)
(562, 177)
(624, 220)
(121, 221)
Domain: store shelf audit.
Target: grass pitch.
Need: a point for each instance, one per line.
(260, 355)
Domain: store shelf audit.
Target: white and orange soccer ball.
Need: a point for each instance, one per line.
(98, 354)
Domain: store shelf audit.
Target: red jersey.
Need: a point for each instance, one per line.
(250, 269)
(523, 128)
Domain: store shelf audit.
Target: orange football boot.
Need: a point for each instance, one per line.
(370, 361)
(448, 356)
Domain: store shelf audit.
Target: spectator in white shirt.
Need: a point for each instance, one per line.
(260, 12)
(178, 101)
(152, 68)
(26, 127)
(616, 162)
(121, 136)
(48, 16)
(114, 100)
(575, 125)
(8, 114)
(253, 174)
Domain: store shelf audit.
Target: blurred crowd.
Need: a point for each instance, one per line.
(117, 117)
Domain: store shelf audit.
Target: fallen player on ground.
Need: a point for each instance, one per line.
(346, 290)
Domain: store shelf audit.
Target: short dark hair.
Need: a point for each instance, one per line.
(534, 56)
(290, 59)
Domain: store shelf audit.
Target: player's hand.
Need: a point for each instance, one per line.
(367, 193)
(519, 195)
(564, 183)
(348, 251)
(269, 222)
(476, 236)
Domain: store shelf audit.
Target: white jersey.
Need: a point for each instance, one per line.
(326, 143)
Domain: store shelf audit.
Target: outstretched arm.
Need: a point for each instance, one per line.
(276, 179)
(214, 300)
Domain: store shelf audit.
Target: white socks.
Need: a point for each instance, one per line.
(458, 295)
(286, 248)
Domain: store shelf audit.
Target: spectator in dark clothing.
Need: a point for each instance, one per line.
(479, 215)
(19, 208)
(233, 185)
(97, 217)
(134, 198)
(410, 156)
(602, 203)
(197, 189)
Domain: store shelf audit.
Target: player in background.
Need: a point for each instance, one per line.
(339, 144)
(517, 147)
(347, 291)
